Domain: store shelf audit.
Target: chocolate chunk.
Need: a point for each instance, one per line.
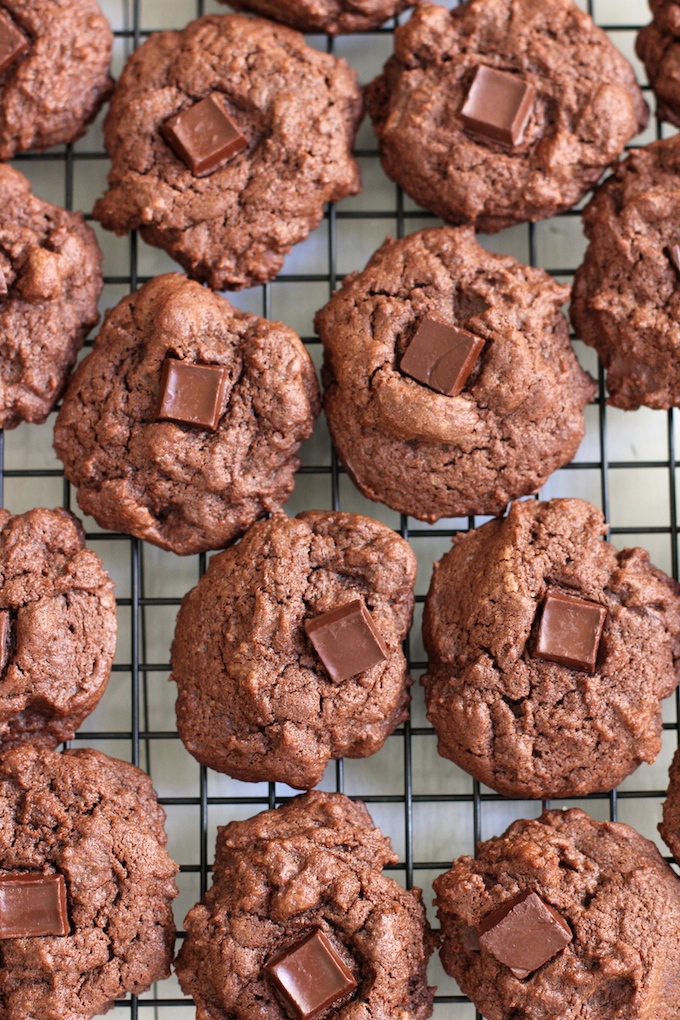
(13, 42)
(570, 631)
(192, 394)
(441, 356)
(5, 639)
(346, 640)
(674, 256)
(524, 933)
(498, 106)
(32, 905)
(3, 285)
(204, 136)
(310, 976)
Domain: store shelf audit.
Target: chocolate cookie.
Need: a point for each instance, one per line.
(54, 71)
(501, 111)
(181, 426)
(57, 628)
(626, 296)
(332, 16)
(268, 687)
(670, 826)
(403, 437)
(591, 923)
(658, 47)
(518, 705)
(50, 282)
(85, 882)
(270, 145)
(300, 912)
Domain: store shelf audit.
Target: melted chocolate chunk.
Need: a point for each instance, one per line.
(441, 356)
(498, 106)
(13, 42)
(674, 256)
(524, 933)
(204, 136)
(346, 640)
(5, 639)
(32, 905)
(570, 631)
(192, 394)
(310, 976)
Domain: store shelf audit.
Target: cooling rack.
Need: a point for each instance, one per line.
(626, 464)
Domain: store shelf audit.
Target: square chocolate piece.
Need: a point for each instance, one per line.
(192, 394)
(441, 356)
(570, 631)
(524, 933)
(498, 106)
(310, 976)
(13, 42)
(346, 640)
(204, 136)
(32, 905)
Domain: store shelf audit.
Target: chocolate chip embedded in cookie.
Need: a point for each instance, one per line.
(301, 923)
(501, 111)
(182, 425)
(82, 840)
(229, 216)
(54, 62)
(556, 708)
(333, 16)
(600, 940)
(260, 697)
(450, 383)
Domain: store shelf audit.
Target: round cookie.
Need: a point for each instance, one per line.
(186, 465)
(296, 108)
(626, 295)
(516, 719)
(658, 47)
(94, 822)
(313, 864)
(332, 16)
(669, 827)
(618, 901)
(50, 282)
(54, 71)
(520, 413)
(581, 101)
(57, 628)
(256, 700)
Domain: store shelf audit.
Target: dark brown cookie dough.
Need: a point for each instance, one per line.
(181, 486)
(255, 700)
(534, 728)
(298, 109)
(57, 628)
(315, 863)
(520, 415)
(332, 16)
(613, 889)
(95, 821)
(587, 107)
(626, 296)
(51, 92)
(658, 47)
(50, 282)
(670, 826)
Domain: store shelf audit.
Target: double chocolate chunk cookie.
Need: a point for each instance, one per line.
(501, 111)
(669, 827)
(54, 71)
(626, 296)
(549, 652)
(658, 47)
(563, 916)
(86, 885)
(50, 282)
(181, 426)
(451, 385)
(332, 16)
(300, 921)
(226, 141)
(57, 628)
(288, 651)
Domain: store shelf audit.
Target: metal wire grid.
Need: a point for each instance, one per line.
(134, 673)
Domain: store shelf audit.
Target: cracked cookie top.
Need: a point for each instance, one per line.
(96, 822)
(525, 726)
(57, 628)
(332, 16)
(255, 700)
(185, 485)
(520, 413)
(314, 863)
(298, 110)
(615, 892)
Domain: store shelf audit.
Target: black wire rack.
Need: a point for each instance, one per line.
(627, 465)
